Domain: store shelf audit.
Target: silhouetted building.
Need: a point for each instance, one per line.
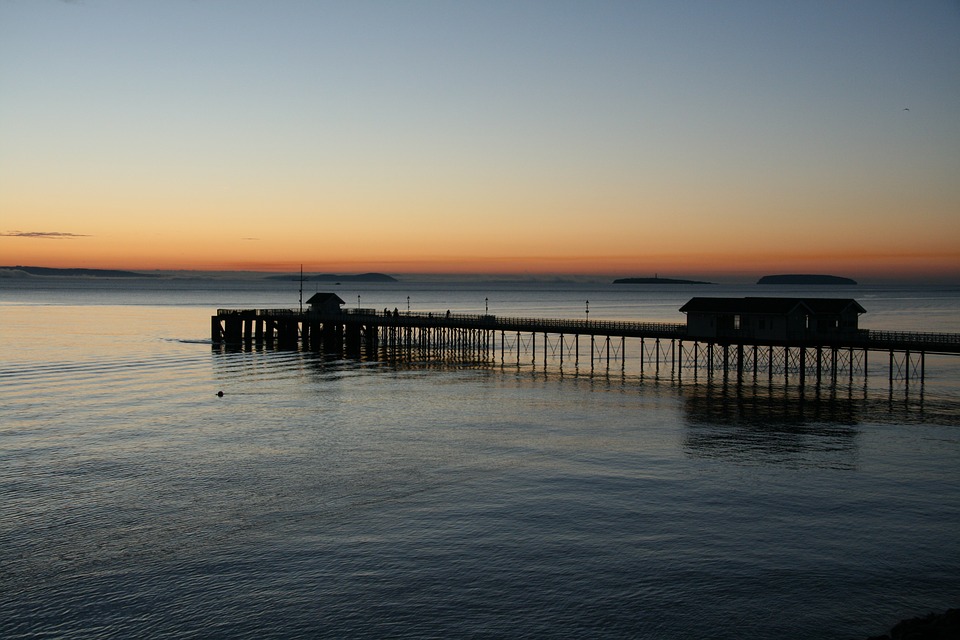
(771, 318)
(325, 303)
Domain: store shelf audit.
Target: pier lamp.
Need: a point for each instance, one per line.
(486, 306)
(408, 304)
(588, 311)
(358, 302)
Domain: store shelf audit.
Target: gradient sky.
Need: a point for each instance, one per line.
(625, 138)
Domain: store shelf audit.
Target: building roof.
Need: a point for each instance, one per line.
(833, 305)
(321, 299)
(770, 306)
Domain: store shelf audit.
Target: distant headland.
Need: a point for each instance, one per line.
(83, 273)
(657, 280)
(800, 278)
(332, 277)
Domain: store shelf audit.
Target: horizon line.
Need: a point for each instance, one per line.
(721, 278)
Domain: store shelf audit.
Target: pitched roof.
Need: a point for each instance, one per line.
(832, 305)
(324, 298)
(770, 306)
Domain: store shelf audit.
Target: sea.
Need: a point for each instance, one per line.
(324, 497)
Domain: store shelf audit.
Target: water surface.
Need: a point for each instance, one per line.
(331, 498)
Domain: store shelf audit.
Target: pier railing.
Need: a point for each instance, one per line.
(604, 327)
(932, 342)
(518, 323)
(258, 313)
(863, 338)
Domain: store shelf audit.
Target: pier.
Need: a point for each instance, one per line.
(801, 340)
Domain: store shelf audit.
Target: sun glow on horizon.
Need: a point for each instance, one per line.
(904, 266)
(675, 142)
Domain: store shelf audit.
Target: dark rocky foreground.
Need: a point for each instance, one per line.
(936, 626)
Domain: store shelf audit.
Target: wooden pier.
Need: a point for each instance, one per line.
(679, 350)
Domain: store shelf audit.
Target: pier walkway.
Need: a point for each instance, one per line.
(654, 347)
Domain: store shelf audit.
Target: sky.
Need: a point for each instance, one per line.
(681, 138)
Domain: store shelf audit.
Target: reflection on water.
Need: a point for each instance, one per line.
(742, 419)
(767, 424)
(760, 423)
(802, 426)
(325, 497)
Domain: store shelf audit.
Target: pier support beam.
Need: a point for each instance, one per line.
(216, 330)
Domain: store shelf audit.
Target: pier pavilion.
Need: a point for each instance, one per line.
(801, 319)
(797, 338)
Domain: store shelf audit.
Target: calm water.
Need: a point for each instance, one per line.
(323, 498)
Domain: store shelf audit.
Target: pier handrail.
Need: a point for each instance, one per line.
(928, 342)
(913, 336)
(253, 313)
(518, 323)
(593, 326)
(914, 340)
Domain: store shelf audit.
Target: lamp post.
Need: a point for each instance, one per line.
(358, 302)
(486, 305)
(588, 311)
(408, 305)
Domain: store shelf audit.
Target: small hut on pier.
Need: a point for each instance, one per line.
(325, 303)
(772, 318)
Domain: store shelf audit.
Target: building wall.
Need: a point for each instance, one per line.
(331, 306)
(701, 325)
(837, 323)
(765, 326)
(760, 326)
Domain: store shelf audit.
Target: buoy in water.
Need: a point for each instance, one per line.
(219, 394)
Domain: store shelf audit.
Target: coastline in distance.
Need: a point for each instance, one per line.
(87, 273)
(804, 278)
(657, 280)
(332, 277)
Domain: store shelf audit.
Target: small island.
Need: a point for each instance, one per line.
(657, 280)
(332, 277)
(802, 278)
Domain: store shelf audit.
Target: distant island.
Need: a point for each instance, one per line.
(86, 273)
(332, 277)
(800, 278)
(657, 280)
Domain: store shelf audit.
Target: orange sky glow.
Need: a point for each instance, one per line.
(619, 141)
(148, 256)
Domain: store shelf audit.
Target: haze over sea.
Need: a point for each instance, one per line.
(332, 498)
